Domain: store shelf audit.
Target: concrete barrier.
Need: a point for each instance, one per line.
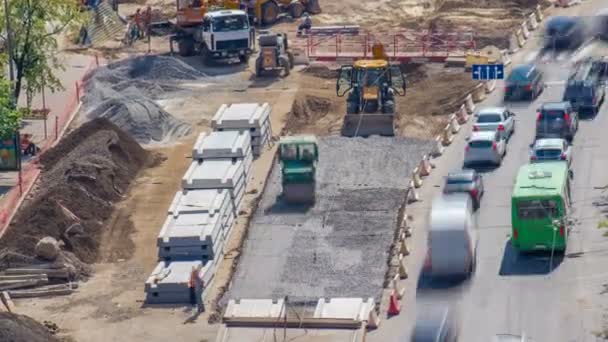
(539, 14)
(521, 40)
(404, 248)
(412, 194)
(448, 137)
(395, 286)
(356, 309)
(425, 166)
(513, 42)
(524, 30)
(479, 93)
(566, 3)
(402, 268)
(437, 147)
(454, 126)
(416, 178)
(532, 22)
(469, 104)
(490, 86)
(506, 59)
(462, 115)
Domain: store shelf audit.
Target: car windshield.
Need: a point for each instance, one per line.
(548, 153)
(230, 23)
(578, 91)
(537, 209)
(520, 75)
(552, 115)
(489, 118)
(480, 144)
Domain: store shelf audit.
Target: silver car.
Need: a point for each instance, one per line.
(495, 119)
(551, 150)
(511, 338)
(485, 147)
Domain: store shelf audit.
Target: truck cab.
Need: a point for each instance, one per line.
(226, 34)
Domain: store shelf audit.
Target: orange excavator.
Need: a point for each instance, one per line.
(191, 12)
(266, 12)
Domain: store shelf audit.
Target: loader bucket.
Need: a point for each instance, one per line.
(299, 193)
(364, 125)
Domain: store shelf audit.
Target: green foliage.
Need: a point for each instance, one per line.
(10, 118)
(35, 25)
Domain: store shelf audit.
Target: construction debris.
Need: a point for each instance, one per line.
(47, 248)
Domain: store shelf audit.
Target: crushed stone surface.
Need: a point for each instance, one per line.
(340, 246)
(126, 92)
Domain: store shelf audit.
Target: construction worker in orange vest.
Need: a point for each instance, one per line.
(147, 20)
(138, 23)
(195, 284)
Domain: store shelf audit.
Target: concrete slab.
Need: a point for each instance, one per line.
(168, 282)
(250, 116)
(228, 144)
(201, 201)
(214, 174)
(347, 308)
(190, 233)
(255, 308)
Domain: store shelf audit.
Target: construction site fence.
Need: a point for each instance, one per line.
(58, 123)
(397, 44)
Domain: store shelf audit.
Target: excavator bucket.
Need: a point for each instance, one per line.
(364, 125)
(313, 7)
(299, 193)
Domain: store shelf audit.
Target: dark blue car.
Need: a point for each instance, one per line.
(564, 32)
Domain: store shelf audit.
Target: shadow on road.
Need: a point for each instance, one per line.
(537, 263)
(281, 207)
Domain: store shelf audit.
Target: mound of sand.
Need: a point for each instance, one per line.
(312, 113)
(83, 176)
(20, 328)
(126, 93)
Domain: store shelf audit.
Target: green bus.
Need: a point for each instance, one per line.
(540, 205)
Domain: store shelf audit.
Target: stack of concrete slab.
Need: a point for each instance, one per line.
(225, 145)
(217, 174)
(252, 117)
(198, 223)
(169, 282)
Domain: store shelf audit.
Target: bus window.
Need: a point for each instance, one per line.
(537, 209)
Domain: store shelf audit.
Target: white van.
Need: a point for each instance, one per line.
(452, 237)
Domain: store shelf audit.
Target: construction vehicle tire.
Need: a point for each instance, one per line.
(206, 54)
(370, 107)
(270, 13)
(389, 107)
(296, 10)
(284, 63)
(313, 7)
(291, 59)
(259, 66)
(352, 107)
(244, 59)
(185, 46)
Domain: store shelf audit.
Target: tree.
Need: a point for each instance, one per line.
(34, 26)
(10, 118)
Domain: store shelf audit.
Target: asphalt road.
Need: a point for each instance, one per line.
(548, 300)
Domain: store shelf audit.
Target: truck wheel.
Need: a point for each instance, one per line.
(296, 10)
(259, 66)
(291, 59)
(270, 13)
(244, 59)
(352, 107)
(206, 54)
(284, 63)
(313, 7)
(185, 47)
(389, 107)
(370, 106)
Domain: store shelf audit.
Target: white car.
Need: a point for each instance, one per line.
(485, 147)
(553, 149)
(495, 119)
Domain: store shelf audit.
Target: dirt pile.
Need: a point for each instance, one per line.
(83, 176)
(20, 328)
(125, 93)
(321, 70)
(312, 110)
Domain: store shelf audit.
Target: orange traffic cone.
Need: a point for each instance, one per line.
(394, 306)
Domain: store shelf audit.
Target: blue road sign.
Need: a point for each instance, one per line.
(488, 71)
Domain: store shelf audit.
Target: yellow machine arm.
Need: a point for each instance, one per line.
(378, 51)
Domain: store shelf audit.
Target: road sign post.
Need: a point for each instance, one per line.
(486, 72)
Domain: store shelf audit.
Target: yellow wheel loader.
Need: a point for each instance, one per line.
(370, 86)
(266, 12)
